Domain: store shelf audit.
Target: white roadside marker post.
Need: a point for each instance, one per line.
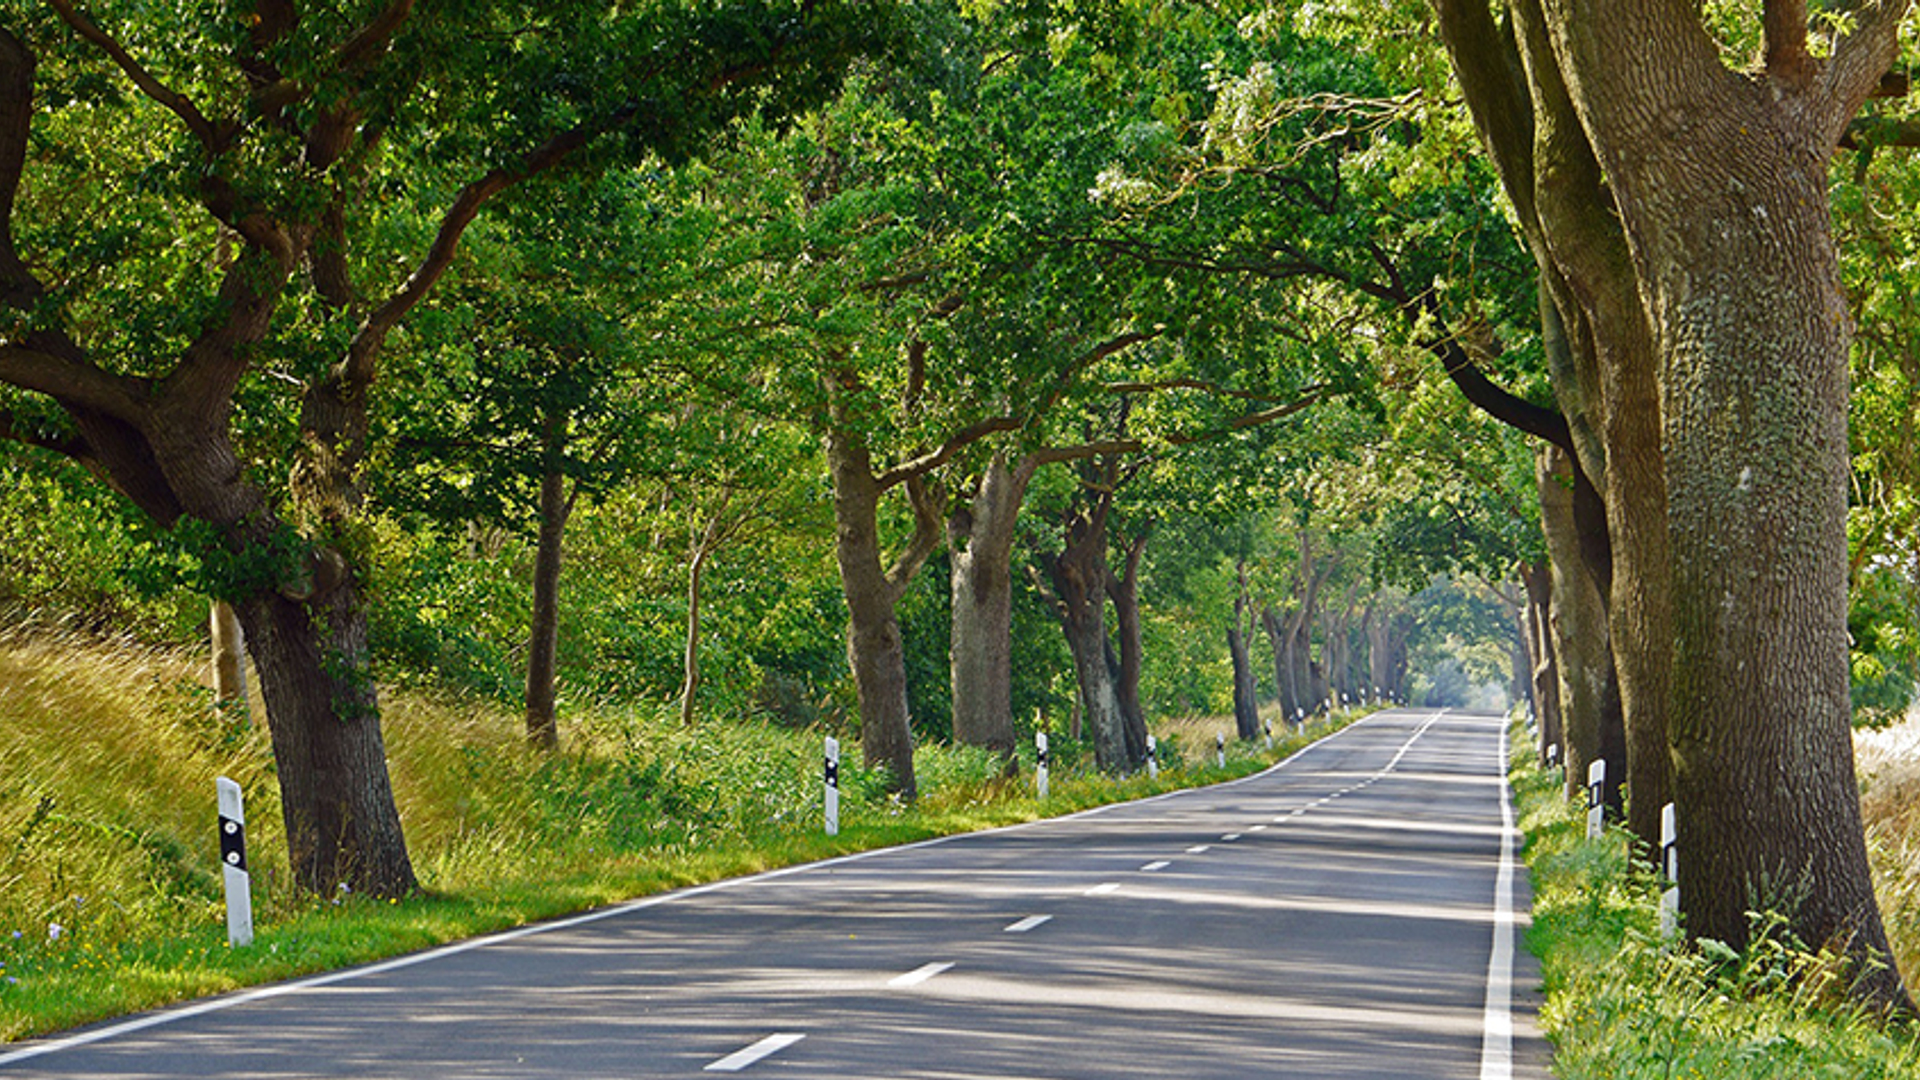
(1040, 762)
(830, 777)
(1220, 749)
(1670, 866)
(1596, 797)
(233, 864)
(1153, 758)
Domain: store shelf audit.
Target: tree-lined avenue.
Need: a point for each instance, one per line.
(1333, 917)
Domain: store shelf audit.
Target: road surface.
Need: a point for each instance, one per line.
(1349, 914)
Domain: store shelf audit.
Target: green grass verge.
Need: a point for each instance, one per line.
(1621, 1004)
(105, 827)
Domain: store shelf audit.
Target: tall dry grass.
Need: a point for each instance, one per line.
(1888, 762)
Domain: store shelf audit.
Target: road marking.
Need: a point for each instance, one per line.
(1258, 828)
(1157, 864)
(1028, 923)
(1231, 837)
(1103, 889)
(301, 986)
(1496, 1041)
(918, 975)
(740, 1059)
(1198, 849)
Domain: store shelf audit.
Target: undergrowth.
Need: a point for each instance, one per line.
(110, 899)
(1622, 1004)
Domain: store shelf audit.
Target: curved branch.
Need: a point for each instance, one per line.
(16, 124)
(357, 368)
(174, 102)
(57, 369)
(1860, 60)
(954, 443)
(1783, 30)
(69, 446)
(374, 36)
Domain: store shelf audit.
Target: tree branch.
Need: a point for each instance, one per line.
(174, 102)
(1874, 132)
(18, 286)
(374, 36)
(1494, 400)
(66, 376)
(1783, 30)
(974, 432)
(1487, 64)
(357, 369)
(69, 446)
(1860, 60)
(954, 443)
(928, 528)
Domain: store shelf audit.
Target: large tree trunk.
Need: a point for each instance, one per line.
(1720, 182)
(1124, 590)
(1246, 704)
(981, 653)
(543, 633)
(1599, 348)
(875, 652)
(1589, 692)
(329, 756)
(1079, 575)
(1545, 668)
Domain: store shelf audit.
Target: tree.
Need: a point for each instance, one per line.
(249, 245)
(1713, 173)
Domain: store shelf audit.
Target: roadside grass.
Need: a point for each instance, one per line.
(110, 899)
(1889, 765)
(1621, 1004)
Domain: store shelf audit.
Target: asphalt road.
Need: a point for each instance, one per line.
(1337, 917)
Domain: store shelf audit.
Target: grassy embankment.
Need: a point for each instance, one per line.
(1622, 1005)
(110, 898)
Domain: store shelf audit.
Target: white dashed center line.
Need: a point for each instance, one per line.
(1157, 864)
(1103, 889)
(1028, 923)
(918, 975)
(740, 1059)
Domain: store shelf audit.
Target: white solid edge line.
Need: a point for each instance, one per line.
(1028, 923)
(1496, 1044)
(740, 1059)
(918, 975)
(246, 997)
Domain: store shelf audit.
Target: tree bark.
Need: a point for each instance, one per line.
(543, 633)
(703, 548)
(1079, 575)
(876, 653)
(1599, 347)
(981, 652)
(229, 660)
(1545, 667)
(1246, 704)
(1720, 183)
(1590, 695)
(1123, 589)
(329, 755)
